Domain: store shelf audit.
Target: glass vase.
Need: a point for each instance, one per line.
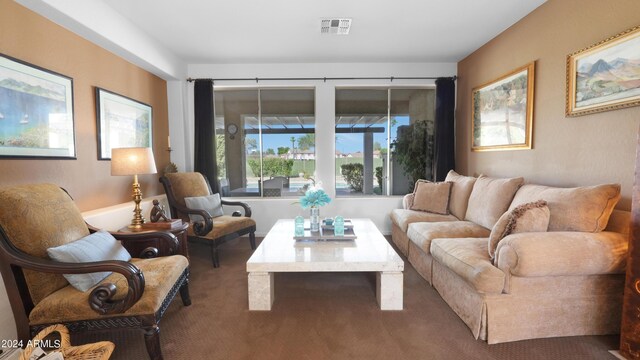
(314, 218)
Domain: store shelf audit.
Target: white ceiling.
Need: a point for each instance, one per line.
(288, 31)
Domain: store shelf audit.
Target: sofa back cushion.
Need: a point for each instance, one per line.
(490, 198)
(619, 222)
(460, 192)
(585, 208)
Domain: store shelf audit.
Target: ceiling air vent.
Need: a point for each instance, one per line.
(335, 26)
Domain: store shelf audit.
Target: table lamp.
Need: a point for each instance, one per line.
(133, 161)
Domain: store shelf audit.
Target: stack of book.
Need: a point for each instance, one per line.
(163, 225)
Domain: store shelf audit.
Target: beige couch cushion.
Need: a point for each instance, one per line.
(585, 208)
(460, 192)
(224, 225)
(404, 217)
(619, 222)
(422, 233)
(490, 199)
(529, 217)
(431, 197)
(562, 253)
(468, 258)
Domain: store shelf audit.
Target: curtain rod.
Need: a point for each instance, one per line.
(390, 78)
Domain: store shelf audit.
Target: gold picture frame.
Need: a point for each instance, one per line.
(502, 112)
(604, 76)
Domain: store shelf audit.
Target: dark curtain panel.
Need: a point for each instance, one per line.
(205, 135)
(444, 142)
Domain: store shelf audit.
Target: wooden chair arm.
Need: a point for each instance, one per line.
(167, 240)
(201, 227)
(245, 206)
(101, 297)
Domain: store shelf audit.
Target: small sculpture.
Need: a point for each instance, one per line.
(170, 168)
(157, 213)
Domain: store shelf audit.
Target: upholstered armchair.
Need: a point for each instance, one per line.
(207, 228)
(135, 294)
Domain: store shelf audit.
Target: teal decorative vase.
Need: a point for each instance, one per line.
(314, 218)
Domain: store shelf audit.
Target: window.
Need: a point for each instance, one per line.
(368, 123)
(268, 142)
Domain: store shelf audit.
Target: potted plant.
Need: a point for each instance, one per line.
(413, 150)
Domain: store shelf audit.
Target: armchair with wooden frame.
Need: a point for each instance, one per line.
(34, 218)
(212, 230)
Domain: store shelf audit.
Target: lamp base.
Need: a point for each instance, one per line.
(138, 219)
(134, 227)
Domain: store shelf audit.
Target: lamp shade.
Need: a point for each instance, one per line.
(132, 161)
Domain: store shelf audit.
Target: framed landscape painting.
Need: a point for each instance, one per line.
(502, 112)
(122, 122)
(605, 76)
(36, 112)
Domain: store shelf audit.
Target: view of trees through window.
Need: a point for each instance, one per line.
(370, 122)
(265, 141)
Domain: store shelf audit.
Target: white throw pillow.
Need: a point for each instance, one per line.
(211, 203)
(98, 246)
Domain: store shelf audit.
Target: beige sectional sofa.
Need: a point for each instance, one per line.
(565, 281)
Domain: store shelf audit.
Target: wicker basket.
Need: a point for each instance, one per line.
(97, 351)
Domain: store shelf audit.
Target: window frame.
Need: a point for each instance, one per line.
(388, 88)
(259, 88)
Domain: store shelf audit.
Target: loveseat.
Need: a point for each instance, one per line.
(508, 282)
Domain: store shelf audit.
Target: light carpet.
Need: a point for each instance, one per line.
(323, 316)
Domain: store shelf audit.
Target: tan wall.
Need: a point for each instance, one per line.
(584, 150)
(29, 37)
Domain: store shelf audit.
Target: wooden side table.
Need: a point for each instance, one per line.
(139, 245)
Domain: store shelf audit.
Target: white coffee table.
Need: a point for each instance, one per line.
(370, 252)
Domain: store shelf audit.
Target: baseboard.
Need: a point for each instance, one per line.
(616, 353)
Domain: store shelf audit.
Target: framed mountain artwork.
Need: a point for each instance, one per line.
(605, 76)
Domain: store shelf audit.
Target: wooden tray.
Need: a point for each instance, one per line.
(326, 235)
